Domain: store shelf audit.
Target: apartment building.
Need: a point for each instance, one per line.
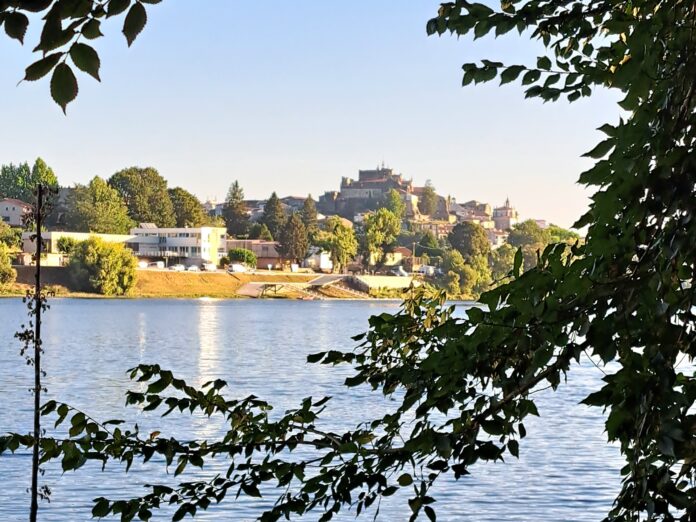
(190, 245)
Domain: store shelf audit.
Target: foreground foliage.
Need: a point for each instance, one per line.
(463, 385)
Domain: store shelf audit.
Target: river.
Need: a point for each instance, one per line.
(566, 470)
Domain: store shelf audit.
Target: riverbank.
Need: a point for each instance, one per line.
(152, 284)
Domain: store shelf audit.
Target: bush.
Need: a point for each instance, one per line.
(106, 268)
(67, 244)
(7, 273)
(242, 255)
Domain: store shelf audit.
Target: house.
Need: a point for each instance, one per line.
(439, 228)
(52, 254)
(266, 251)
(12, 211)
(191, 245)
(496, 238)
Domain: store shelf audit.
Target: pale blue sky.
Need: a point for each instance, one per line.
(290, 96)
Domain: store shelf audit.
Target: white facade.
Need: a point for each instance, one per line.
(196, 245)
(12, 211)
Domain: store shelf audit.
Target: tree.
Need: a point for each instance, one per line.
(242, 255)
(11, 237)
(531, 239)
(97, 207)
(235, 211)
(308, 214)
(469, 239)
(66, 245)
(188, 211)
(502, 261)
(20, 181)
(294, 241)
(7, 273)
(339, 240)
(381, 230)
(145, 193)
(273, 215)
(428, 200)
(105, 268)
(394, 203)
(260, 231)
(561, 235)
(624, 297)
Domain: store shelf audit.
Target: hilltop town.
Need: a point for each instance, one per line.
(380, 225)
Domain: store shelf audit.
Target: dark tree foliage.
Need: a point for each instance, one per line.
(470, 240)
(428, 200)
(294, 240)
(235, 211)
(273, 215)
(97, 207)
(242, 255)
(463, 387)
(20, 181)
(309, 214)
(145, 193)
(188, 211)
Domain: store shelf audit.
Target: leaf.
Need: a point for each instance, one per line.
(530, 77)
(518, 263)
(16, 24)
(601, 150)
(405, 480)
(117, 7)
(101, 508)
(510, 74)
(134, 23)
(86, 59)
(160, 385)
(42, 67)
(543, 62)
(63, 85)
(92, 29)
(430, 512)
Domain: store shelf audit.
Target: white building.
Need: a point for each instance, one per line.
(12, 211)
(194, 245)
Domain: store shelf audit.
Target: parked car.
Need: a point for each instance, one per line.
(236, 268)
(177, 268)
(209, 267)
(426, 270)
(143, 264)
(156, 264)
(399, 271)
(193, 268)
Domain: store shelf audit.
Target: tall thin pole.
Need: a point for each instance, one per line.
(38, 211)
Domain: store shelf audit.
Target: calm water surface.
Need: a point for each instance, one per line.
(566, 470)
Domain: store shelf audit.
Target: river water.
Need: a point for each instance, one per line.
(566, 470)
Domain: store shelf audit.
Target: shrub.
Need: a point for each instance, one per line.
(67, 244)
(7, 273)
(242, 255)
(106, 268)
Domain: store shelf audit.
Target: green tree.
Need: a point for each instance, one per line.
(428, 200)
(11, 237)
(294, 241)
(66, 244)
(502, 261)
(308, 214)
(145, 193)
(531, 239)
(561, 235)
(394, 203)
(469, 239)
(20, 181)
(7, 273)
(273, 215)
(381, 230)
(235, 211)
(105, 268)
(97, 207)
(188, 211)
(242, 255)
(473, 271)
(260, 231)
(339, 240)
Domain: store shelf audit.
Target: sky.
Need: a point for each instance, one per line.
(292, 96)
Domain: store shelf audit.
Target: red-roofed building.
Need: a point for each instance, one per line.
(12, 211)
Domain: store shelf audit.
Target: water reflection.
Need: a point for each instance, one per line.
(209, 340)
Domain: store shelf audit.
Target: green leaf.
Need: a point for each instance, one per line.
(16, 25)
(517, 263)
(63, 85)
(430, 512)
(530, 77)
(42, 67)
(101, 508)
(92, 29)
(159, 385)
(134, 23)
(86, 59)
(117, 7)
(543, 62)
(510, 74)
(405, 480)
(601, 150)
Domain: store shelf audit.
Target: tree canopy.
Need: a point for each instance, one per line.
(273, 215)
(427, 203)
(97, 207)
(235, 211)
(98, 266)
(381, 231)
(294, 240)
(20, 181)
(393, 202)
(308, 213)
(339, 240)
(145, 193)
(188, 211)
(469, 239)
